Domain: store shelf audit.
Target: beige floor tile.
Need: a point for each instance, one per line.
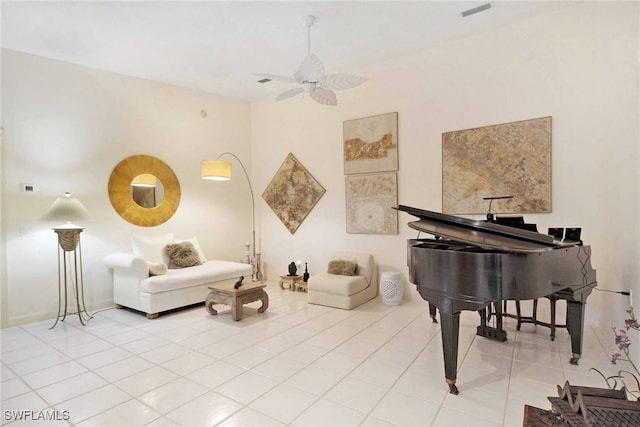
(172, 395)
(327, 413)
(283, 403)
(129, 413)
(246, 387)
(206, 410)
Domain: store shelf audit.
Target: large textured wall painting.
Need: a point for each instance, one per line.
(371, 144)
(292, 193)
(511, 159)
(370, 200)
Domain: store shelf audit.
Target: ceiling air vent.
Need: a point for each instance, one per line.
(477, 9)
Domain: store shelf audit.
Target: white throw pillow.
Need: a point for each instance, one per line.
(196, 245)
(157, 268)
(151, 248)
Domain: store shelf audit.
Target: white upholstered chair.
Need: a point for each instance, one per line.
(345, 291)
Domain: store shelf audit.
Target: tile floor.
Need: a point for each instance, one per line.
(296, 364)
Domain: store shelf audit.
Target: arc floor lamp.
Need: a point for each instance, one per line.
(68, 210)
(220, 170)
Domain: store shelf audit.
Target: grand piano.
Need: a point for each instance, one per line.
(471, 264)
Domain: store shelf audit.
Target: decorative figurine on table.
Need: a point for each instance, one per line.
(305, 276)
(293, 270)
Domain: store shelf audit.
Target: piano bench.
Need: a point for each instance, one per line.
(533, 319)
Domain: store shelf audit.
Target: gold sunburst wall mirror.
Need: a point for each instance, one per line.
(144, 190)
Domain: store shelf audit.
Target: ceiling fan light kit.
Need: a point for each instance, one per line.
(311, 78)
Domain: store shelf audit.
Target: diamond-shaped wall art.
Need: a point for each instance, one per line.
(292, 193)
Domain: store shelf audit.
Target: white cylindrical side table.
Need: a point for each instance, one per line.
(391, 288)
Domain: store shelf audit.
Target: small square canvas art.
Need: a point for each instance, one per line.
(370, 200)
(371, 144)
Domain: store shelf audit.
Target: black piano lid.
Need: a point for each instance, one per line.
(486, 235)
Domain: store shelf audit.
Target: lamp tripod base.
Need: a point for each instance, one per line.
(70, 275)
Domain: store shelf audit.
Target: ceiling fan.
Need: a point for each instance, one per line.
(311, 77)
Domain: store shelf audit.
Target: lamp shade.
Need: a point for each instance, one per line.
(66, 209)
(145, 180)
(217, 170)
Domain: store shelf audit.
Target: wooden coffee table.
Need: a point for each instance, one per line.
(236, 298)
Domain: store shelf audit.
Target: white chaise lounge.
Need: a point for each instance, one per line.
(135, 288)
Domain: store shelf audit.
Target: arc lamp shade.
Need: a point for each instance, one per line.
(216, 170)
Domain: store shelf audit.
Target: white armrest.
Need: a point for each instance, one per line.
(128, 264)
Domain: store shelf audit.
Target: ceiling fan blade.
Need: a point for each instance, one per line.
(342, 81)
(324, 96)
(311, 69)
(289, 93)
(277, 78)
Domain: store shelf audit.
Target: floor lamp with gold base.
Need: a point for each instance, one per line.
(220, 170)
(70, 276)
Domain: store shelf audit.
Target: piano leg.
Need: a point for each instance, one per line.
(450, 328)
(432, 312)
(575, 325)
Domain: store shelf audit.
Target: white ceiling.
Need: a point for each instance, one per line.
(218, 46)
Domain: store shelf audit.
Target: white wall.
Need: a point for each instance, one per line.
(578, 65)
(65, 128)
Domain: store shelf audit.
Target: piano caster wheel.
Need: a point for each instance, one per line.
(574, 359)
(453, 389)
(433, 318)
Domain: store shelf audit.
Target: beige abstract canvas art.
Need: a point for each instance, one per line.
(371, 144)
(511, 159)
(370, 199)
(292, 193)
